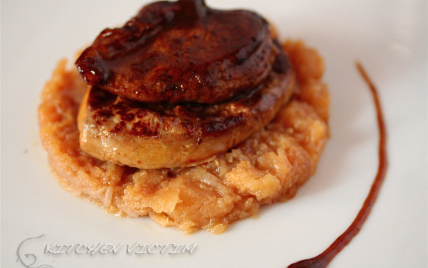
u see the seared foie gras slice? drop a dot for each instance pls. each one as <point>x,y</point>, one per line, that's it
<point>151,136</point>
<point>181,52</point>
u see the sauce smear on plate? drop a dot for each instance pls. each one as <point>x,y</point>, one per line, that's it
<point>325,258</point>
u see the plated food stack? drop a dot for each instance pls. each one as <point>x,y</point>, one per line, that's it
<point>191,115</point>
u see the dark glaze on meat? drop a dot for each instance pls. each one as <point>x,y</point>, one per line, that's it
<point>181,52</point>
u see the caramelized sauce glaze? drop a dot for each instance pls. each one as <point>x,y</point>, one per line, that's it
<point>325,258</point>
<point>182,52</point>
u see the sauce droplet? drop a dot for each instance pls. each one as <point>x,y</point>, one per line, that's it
<point>325,258</point>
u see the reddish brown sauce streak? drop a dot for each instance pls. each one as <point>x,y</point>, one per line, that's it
<point>325,258</point>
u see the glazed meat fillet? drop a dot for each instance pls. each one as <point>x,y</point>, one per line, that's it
<point>181,52</point>
<point>180,79</point>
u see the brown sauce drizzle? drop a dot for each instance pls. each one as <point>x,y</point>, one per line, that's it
<point>325,258</point>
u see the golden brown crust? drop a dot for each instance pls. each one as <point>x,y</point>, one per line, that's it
<point>128,132</point>
<point>267,167</point>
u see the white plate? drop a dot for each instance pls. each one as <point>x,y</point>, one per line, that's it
<point>388,37</point>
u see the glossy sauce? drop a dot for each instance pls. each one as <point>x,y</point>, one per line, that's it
<point>325,258</point>
<point>182,51</point>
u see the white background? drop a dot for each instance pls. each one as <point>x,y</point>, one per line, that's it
<point>388,36</point>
